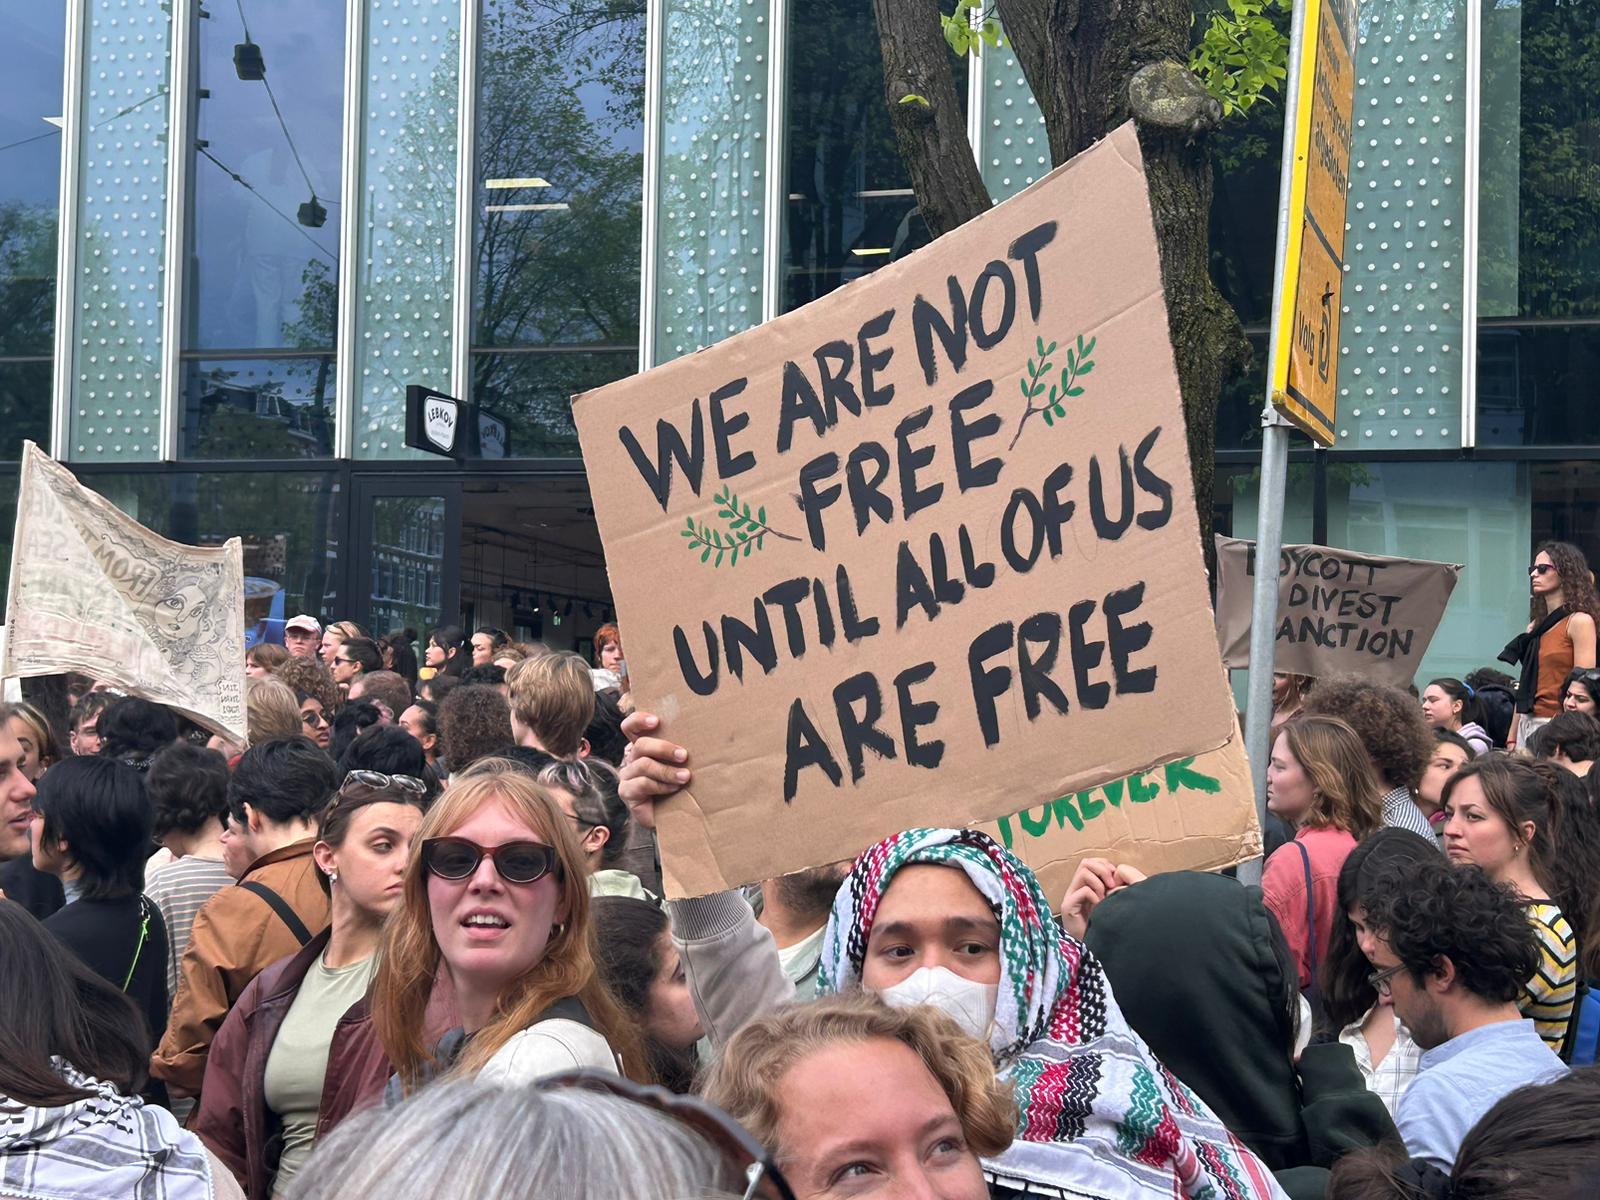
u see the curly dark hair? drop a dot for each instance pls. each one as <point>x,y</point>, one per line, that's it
<point>1564,851</point>
<point>1575,734</point>
<point>308,677</point>
<point>1577,583</point>
<point>1514,1152</point>
<point>1346,994</point>
<point>187,786</point>
<point>474,721</point>
<point>1428,910</point>
<point>1387,720</point>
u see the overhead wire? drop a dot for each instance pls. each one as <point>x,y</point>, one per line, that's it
<point>276,111</point>
<point>249,187</point>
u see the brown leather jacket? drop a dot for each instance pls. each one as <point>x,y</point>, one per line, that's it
<point>236,936</point>
<point>233,1118</point>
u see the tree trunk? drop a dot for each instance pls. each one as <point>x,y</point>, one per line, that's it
<point>931,132</point>
<point>1093,64</point>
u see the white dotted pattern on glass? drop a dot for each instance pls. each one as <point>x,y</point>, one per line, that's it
<point>1400,365</point>
<point>405,257</point>
<point>713,171</point>
<point>1015,147</point>
<point>115,411</point>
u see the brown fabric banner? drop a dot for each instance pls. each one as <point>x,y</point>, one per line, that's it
<point>93,590</point>
<point>923,551</point>
<point>1338,610</point>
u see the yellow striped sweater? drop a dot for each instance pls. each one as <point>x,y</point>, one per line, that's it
<point>1548,999</point>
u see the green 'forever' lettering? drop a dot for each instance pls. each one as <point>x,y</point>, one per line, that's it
<point>1083,807</point>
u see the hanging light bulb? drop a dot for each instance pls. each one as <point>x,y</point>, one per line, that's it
<point>312,214</point>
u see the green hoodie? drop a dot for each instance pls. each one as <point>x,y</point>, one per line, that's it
<point>1191,960</point>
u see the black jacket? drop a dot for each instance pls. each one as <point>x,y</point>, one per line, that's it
<point>37,891</point>
<point>105,935</point>
<point>1192,962</point>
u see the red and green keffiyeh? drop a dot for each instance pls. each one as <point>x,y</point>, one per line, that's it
<point>1098,1114</point>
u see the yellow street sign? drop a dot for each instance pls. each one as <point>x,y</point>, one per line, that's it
<point>1306,366</point>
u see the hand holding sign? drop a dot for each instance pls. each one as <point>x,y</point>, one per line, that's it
<point>938,521</point>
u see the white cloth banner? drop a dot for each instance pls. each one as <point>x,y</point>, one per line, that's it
<point>94,591</point>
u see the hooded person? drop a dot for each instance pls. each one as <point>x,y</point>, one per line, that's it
<point>1206,977</point>
<point>1098,1114</point>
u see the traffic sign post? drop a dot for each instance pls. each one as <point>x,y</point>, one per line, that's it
<point>1305,363</point>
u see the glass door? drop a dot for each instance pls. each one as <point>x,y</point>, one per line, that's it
<point>407,570</point>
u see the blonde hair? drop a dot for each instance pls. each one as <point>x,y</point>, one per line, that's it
<point>552,695</point>
<point>746,1081</point>
<point>1344,787</point>
<point>409,958</point>
<point>271,710</point>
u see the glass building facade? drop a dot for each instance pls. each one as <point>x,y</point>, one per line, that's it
<point>232,234</point>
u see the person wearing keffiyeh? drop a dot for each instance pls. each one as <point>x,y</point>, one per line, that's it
<point>1099,1115</point>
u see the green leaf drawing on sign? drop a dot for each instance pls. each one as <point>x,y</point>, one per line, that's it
<point>1033,385</point>
<point>746,531</point>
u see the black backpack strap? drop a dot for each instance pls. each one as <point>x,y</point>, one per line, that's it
<point>280,906</point>
<point>568,1008</point>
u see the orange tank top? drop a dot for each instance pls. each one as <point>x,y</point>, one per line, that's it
<point>1555,664</point>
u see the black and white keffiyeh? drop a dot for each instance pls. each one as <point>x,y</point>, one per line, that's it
<point>105,1145</point>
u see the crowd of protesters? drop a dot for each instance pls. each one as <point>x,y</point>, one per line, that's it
<point>410,940</point>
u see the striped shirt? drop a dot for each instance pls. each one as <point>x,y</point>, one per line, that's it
<point>1549,996</point>
<point>1400,811</point>
<point>180,890</point>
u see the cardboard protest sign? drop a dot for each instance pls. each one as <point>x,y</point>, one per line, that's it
<point>1338,610</point>
<point>1179,815</point>
<point>922,551</point>
<point>92,590</point>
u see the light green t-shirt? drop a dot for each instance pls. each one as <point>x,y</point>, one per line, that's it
<point>297,1065</point>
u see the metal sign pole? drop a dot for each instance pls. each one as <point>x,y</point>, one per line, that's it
<point>1274,471</point>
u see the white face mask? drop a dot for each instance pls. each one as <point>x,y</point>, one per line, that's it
<point>971,1004</point>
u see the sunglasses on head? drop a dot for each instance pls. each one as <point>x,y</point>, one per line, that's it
<point>748,1157</point>
<point>457,858</point>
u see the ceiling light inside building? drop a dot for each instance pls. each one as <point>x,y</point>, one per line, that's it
<point>869,251</point>
<point>526,207</point>
<point>519,182</point>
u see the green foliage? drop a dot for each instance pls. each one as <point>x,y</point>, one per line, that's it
<point>1053,409</point>
<point>966,37</point>
<point>1243,53</point>
<point>746,531</point>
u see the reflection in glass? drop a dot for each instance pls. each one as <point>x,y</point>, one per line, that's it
<point>24,406</point>
<point>407,568</point>
<point>532,392</point>
<point>850,206</point>
<point>30,163</point>
<point>264,212</point>
<point>559,178</point>
<point>260,408</point>
<point>1539,223</point>
<point>1539,385</point>
<point>287,520</point>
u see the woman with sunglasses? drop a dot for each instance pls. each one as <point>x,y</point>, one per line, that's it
<point>297,1053</point>
<point>1560,634</point>
<point>496,900</point>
